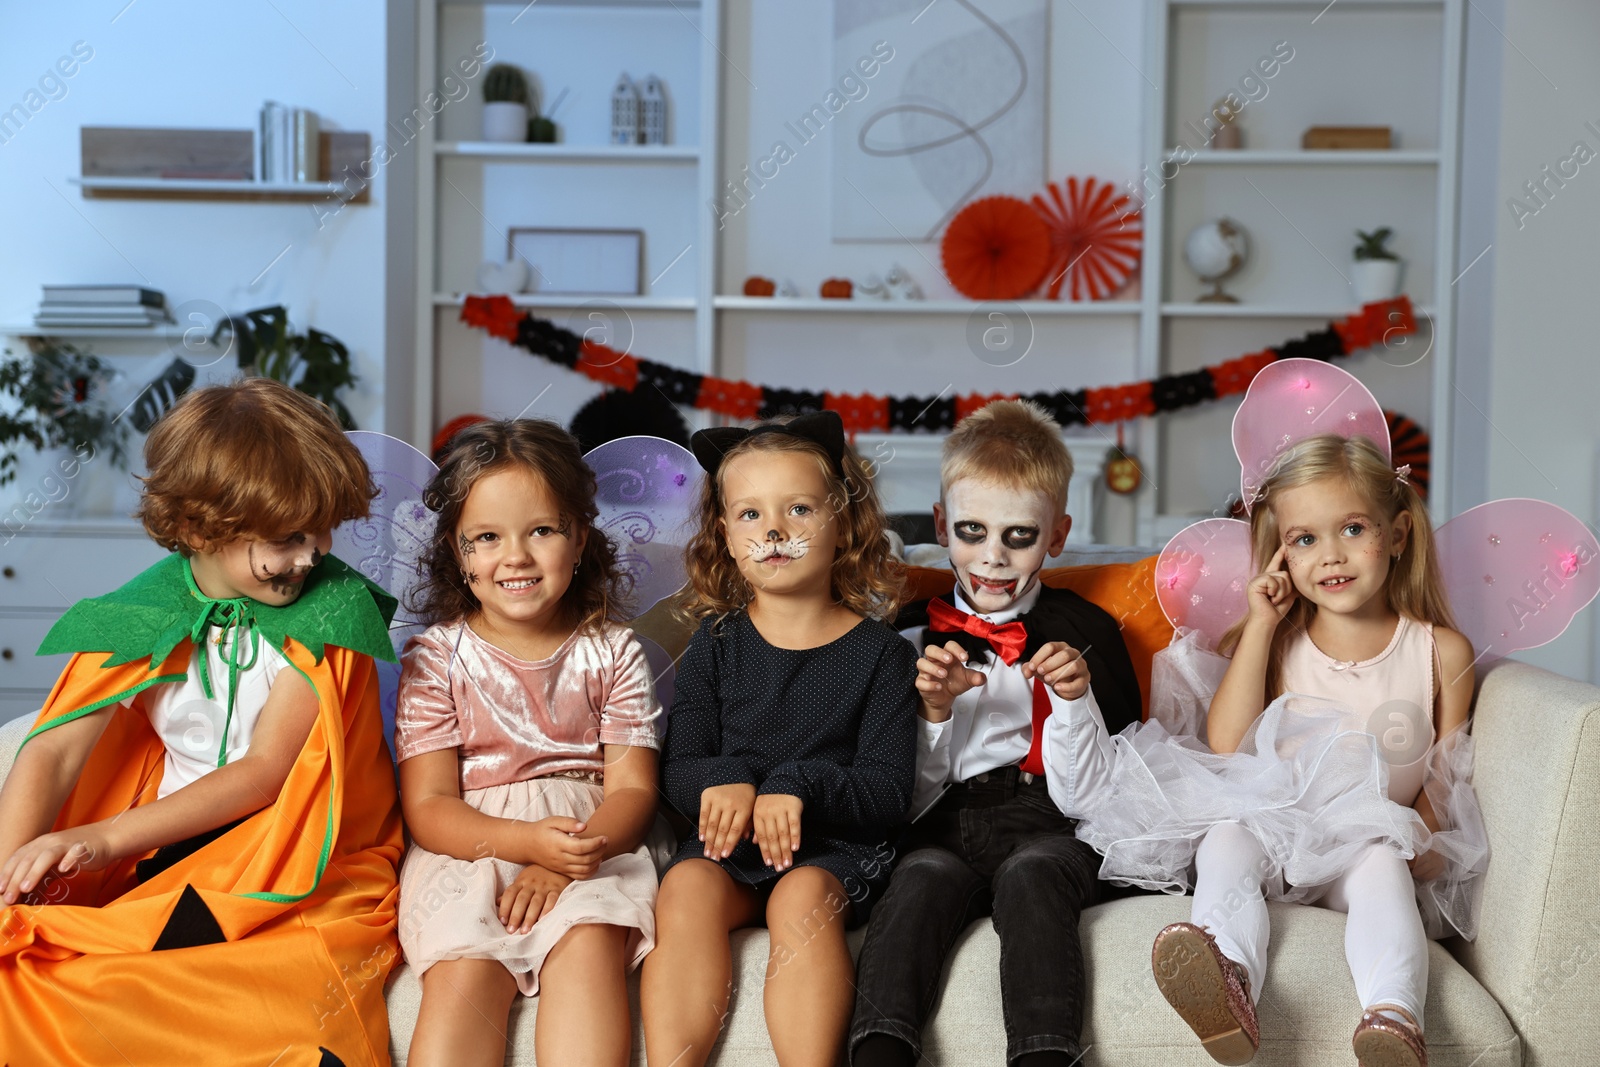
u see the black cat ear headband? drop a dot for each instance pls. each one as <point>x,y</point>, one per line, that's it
<point>824,428</point>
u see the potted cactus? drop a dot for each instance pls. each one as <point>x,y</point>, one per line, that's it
<point>1376,272</point>
<point>505,104</point>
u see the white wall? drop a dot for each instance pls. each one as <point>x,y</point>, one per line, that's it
<point>1541,426</point>
<point>195,64</point>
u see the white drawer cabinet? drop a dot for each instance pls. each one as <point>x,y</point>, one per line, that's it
<point>44,570</point>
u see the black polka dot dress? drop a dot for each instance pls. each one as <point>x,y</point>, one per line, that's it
<point>833,725</point>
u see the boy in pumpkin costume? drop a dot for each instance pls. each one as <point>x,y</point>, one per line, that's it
<point>1007,713</point>
<point>199,837</point>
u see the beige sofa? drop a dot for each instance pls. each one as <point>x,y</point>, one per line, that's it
<point>1526,992</point>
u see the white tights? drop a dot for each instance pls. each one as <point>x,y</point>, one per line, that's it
<point>1384,941</point>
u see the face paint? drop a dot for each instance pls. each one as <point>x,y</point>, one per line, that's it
<point>998,538</point>
<point>273,572</point>
<point>1335,544</point>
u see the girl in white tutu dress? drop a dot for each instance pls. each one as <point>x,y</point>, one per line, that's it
<point>1337,761</point>
<point>525,728</point>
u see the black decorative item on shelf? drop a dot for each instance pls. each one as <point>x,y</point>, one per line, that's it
<point>315,363</point>
<point>57,391</point>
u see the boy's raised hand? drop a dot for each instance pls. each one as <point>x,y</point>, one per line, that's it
<point>82,848</point>
<point>530,897</point>
<point>943,675</point>
<point>775,825</point>
<point>556,848</point>
<point>1271,593</point>
<point>725,812</point>
<point>1062,667</point>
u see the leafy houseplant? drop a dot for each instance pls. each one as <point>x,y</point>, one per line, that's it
<point>1376,273</point>
<point>315,363</point>
<point>505,104</point>
<point>55,403</point>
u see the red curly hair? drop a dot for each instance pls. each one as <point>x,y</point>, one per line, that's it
<point>249,458</point>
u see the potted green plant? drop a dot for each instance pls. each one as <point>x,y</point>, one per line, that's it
<point>1375,275</point>
<point>315,363</point>
<point>56,396</point>
<point>505,104</point>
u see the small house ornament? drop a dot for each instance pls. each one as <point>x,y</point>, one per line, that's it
<point>653,112</point>
<point>624,112</point>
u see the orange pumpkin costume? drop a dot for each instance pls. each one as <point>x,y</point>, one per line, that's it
<point>271,943</point>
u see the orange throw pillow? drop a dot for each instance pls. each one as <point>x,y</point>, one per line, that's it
<point>1126,590</point>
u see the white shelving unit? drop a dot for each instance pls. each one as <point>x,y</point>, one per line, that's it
<point>495,196</point>
<point>1360,62</point>
<point>1349,69</point>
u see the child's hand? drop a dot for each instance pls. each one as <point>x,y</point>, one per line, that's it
<point>1427,866</point>
<point>725,817</point>
<point>556,849</point>
<point>82,848</point>
<point>1062,667</point>
<point>1271,593</point>
<point>942,675</point>
<point>776,828</point>
<point>529,897</point>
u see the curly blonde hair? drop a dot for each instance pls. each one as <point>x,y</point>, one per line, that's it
<point>1414,587</point>
<point>867,579</point>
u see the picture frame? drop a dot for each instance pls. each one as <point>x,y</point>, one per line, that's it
<point>578,261</point>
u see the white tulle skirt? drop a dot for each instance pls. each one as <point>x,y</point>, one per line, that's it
<point>1308,782</point>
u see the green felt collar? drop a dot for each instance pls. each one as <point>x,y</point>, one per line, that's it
<point>163,606</point>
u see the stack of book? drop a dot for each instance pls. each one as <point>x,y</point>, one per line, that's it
<point>287,144</point>
<point>120,306</point>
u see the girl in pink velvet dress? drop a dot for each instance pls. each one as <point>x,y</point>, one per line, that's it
<point>526,734</point>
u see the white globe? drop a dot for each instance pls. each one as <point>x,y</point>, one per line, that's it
<point>1217,249</point>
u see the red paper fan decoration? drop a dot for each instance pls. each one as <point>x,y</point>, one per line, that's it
<point>997,248</point>
<point>1409,443</point>
<point>1094,239</point>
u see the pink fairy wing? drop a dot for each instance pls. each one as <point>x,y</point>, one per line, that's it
<point>1291,400</point>
<point>1201,577</point>
<point>1517,572</point>
<point>647,489</point>
<point>388,545</point>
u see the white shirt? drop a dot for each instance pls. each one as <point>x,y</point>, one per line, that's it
<point>190,726</point>
<point>991,726</point>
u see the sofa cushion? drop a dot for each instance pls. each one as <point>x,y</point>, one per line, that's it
<point>1308,1010</point>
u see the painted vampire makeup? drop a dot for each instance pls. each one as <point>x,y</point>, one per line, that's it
<point>999,538</point>
<point>776,519</point>
<point>273,572</point>
<point>1337,548</point>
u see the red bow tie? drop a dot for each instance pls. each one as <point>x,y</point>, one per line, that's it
<point>1007,639</point>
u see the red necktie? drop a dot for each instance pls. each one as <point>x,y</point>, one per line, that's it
<point>1007,640</point>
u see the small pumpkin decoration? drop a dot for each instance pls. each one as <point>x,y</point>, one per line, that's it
<point>755,285</point>
<point>837,289</point>
<point>1123,473</point>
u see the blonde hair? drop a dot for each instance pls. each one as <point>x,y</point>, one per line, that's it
<point>1012,442</point>
<point>867,579</point>
<point>1414,586</point>
<point>249,458</point>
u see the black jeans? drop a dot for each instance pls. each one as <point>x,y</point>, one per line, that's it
<point>996,847</point>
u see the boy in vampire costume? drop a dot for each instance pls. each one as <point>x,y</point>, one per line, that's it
<point>1012,677</point>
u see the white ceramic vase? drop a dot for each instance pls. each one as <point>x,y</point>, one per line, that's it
<point>505,121</point>
<point>1375,279</point>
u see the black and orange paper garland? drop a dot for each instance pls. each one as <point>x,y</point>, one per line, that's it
<point>867,413</point>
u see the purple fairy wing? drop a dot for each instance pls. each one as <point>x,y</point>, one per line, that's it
<point>1201,577</point>
<point>387,545</point>
<point>1517,572</point>
<point>646,490</point>
<point>1291,400</point>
